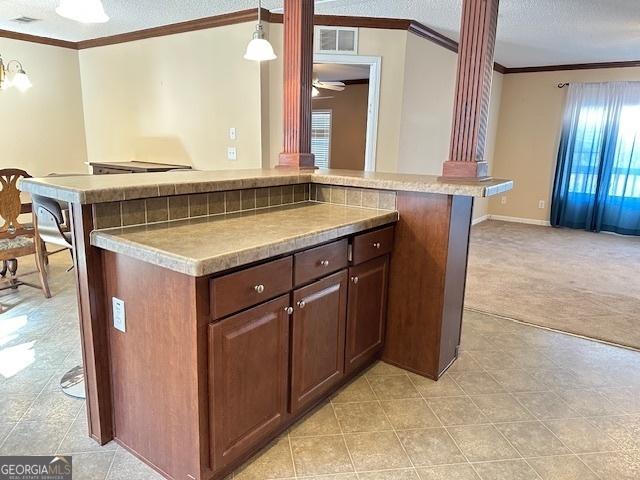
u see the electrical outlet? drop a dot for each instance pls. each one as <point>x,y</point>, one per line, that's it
<point>541,204</point>
<point>119,321</point>
<point>232,133</point>
<point>503,200</point>
<point>232,154</point>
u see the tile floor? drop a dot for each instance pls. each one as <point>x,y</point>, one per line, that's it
<point>521,403</point>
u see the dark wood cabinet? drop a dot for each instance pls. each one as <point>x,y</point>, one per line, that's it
<point>248,379</point>
<point>367,305</point>
<point>244,354</point>
<point>318,339</point>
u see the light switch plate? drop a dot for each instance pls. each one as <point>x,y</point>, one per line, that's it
<point>232,153</point>
<point>119,321</point>
<point>232,133</point>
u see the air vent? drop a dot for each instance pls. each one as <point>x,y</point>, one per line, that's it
<point>336,40</point>
<point>25,19</point>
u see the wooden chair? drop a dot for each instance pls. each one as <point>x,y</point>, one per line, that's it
<point>17,240</point>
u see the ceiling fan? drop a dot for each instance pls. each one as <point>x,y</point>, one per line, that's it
<point>335,86</point>
<point>317,85</point>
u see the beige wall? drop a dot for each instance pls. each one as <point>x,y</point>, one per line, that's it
<point>528,134</point>
<point>42,129</point>
<point>348,125</point>
<point>427,107</point>
<point>174,99</point>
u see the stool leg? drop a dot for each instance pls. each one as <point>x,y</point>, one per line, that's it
<point>3,270</point>
<point>12,266</point>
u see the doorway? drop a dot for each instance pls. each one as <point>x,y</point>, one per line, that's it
<point>345,111</point>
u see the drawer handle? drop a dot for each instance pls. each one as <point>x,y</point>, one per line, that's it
<point>259,288</point>
<point>355,279</point>
<point>302,304</point>
<point>288,310</point>
<point>376,245</point>
<point>324,263</point>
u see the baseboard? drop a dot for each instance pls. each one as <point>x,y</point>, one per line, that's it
<point>530,221</point>
<point>478,220</point>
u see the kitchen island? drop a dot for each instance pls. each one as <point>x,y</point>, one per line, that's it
<point>243,299</point>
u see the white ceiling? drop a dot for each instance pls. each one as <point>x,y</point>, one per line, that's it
<point>530,32</point>
<point>331,72</point>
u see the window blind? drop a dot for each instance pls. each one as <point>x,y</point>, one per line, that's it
<point>321,137</point>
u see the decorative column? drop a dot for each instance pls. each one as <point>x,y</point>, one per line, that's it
<point>298,71</point>
<point>473,90</point>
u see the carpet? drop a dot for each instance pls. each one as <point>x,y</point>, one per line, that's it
<point>569,280</point>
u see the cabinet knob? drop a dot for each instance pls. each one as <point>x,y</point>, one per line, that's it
<point>288,310</point>
<point>355,279</point>
<point>302,304</point>
<point>259,288</point>
<point>376,245</point>
<point>324,263</point>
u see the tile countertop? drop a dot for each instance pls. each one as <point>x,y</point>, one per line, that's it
<point>211,244</point>
<point>88,189</point>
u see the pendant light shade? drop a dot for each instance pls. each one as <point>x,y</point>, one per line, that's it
<point>259,48</point>
<point>84,11</point>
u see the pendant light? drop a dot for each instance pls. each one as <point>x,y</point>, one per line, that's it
<point>259,48</point>
<point>84,11</point>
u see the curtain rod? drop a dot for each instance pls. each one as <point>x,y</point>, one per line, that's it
<point>562,85</point>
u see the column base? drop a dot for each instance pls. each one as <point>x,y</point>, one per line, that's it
<point>297,160</point>
<point>471,170</point>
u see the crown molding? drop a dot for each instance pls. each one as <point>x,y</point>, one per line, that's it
<point>25,37</point>
<point>241,16</point>
<point>574,66</point>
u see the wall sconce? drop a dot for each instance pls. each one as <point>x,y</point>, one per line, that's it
<point>20,78</point>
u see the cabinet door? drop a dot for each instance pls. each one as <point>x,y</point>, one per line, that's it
<point>367,307</point>
<point>248,378</point>
<point>318,330</point>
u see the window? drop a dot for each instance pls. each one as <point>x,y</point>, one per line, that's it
<point>321,137</point>
<point>588,152</point>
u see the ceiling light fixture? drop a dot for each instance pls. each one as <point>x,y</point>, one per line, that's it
<point>84,11</point>
<point>259,48</point>
<point>20,78</point>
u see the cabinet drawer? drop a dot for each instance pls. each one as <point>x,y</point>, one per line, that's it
<point>236,291</point>
<point>320,261</point>
<point>372,244</point>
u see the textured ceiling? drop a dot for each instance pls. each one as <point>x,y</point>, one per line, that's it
<point>530,32</point>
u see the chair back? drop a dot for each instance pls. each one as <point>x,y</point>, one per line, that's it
<point>50,219</point>
<point>10,203</point>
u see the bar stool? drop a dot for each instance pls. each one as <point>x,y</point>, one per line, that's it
<point>49,225</point>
